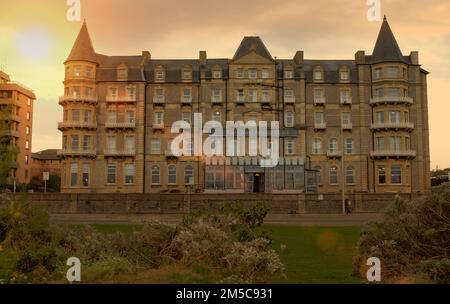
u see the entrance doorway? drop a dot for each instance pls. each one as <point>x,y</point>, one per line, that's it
<point>258,183</point>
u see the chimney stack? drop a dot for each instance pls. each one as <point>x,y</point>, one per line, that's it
<point>298,58</point>
<point>203,58</point>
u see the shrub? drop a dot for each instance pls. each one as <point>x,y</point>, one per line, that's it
<point>413,240</point>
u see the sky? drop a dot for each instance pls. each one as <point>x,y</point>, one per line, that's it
<point>36,38</point>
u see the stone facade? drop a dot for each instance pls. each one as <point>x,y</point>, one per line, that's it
<point>359,124</point>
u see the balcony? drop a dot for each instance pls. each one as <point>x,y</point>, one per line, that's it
<point>10,101</point>
<point>346,101</point>
<point>217,100</point>
<point>347,126</point>
<point>76,125</point>
<point>186,99</point>
<point>334,154</point>
<point>393,154</point>
<point>319,100</point>
<point>120,125</point>
<point>117,153</point>
<point>240,100</point>
<point>77,98</point>
<point>9,133</point>
<point>392,126</point>
<point>77,153</point>
<point>289,99</point>
<point>158,126</point>
<point>320,126</point>
<point>158,100</point>
<point>118,99</point>
<point>391,100</point>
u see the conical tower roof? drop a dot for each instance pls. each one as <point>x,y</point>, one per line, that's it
<point>386,48</point>
<point>82,48</point>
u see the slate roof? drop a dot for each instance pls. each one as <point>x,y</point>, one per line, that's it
<point>50,154</point>
<point>386,48</point>
<point>250,44</point>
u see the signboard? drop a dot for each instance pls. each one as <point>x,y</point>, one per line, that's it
<point>46,176</point>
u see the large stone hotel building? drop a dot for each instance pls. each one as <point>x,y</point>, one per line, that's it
<point>359,124</point>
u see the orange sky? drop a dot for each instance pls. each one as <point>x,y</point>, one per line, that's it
<point>36,38</point>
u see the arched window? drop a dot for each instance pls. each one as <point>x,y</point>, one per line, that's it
<point>156,180</point>
<point>350,175</point>
<point>172,175</point>
<point>318,170</point>
<point>333,145</point>
<point>333,175</point>
<point>188,175</point>
<point>317,146</point>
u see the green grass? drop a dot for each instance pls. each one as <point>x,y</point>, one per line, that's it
<point>316,255</point>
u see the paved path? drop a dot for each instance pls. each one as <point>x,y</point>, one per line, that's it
<point>327,220</point>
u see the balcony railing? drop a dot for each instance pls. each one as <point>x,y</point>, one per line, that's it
<point>217,99</point>
<point>347,100</point>
<point>121,99</point>
<point>186,99</point>
<point>319,100</point>
<point>392,125</point>
<point>76,125</point>
<point>9,133</point>
<point>320,126</point>
<point>120,125</point>
<point>77,152</point>
<point>347,126</point>
<point>78,98</point>
<point>158,126</point>
<point>158,99</point>
<point>333,154</point>
<point>393,154</point>
<point>117,153</point>
<point>391,99</point>
<point>289,99</point>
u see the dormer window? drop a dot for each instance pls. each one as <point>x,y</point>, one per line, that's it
<point>344,74</point>
<point>122,72</point>
<point>186,73</point>
<point>318,74</point>
<point>160,74</point>
<point>217,74</point>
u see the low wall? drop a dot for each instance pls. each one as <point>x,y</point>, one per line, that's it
<point>114,203</point>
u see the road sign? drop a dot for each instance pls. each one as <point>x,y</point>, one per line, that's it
<point>46,176</point>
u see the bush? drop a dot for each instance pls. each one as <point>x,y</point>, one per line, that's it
<point>413,240</point>
<point>230,244</point>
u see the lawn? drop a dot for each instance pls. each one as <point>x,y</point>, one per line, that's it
<point>313,255</point>
<point>310,255</point>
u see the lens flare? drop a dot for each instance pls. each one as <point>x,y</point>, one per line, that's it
<point>34,43</point>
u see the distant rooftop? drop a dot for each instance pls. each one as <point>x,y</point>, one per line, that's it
<point>49,154</point>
